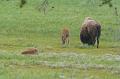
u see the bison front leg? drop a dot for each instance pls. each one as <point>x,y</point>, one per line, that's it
<point>67,41</point>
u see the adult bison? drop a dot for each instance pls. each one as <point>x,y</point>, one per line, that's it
<point>90,32</point>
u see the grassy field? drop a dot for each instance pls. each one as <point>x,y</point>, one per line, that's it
<point>21,28</point>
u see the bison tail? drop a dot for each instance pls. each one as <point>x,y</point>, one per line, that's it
<point>98,34</point>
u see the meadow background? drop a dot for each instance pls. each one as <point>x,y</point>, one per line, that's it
<point>21,28</point>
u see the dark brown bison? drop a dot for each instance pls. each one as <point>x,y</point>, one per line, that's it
<point>90,32</point>
<point>30,51</point>
<point>65,36</point>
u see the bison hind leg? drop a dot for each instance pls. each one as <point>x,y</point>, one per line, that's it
<point>97,42</point>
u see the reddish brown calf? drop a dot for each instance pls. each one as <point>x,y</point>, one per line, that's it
<point>30,51</point>
<point>65,36</point>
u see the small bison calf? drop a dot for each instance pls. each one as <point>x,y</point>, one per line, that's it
<point>30,51</point>
<point>65,36</point>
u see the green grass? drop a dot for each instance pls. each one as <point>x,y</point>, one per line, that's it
<point>28,27</point>
<point>54,65</point>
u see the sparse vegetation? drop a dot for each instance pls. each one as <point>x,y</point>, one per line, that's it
<point>22,3</point>
<point>44,6</point>
<point>108,2</point>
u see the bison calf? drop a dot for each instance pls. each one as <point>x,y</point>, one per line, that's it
<point>30,51</point>
<point>65,36</point>
<point>90,32</point>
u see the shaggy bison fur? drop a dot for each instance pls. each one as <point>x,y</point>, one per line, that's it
<point>65,36</point>
<point>30,51</point>
<point>90,32</point>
